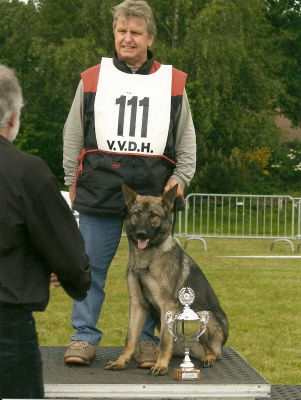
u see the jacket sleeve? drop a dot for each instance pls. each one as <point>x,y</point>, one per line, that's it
<point>57,239</point>
<point>73,136</point>
<point>185,144</point>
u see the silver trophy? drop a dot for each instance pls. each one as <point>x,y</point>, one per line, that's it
<point>187,328</point>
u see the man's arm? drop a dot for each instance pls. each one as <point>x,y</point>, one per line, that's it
<point>185,148</point>
<point>58,241</point>
<point>73,136</point>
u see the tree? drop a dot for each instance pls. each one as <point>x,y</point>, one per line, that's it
<point>285,19</point>
<point>48,59</point>
<point>232,50</point>
<point>228,53</point>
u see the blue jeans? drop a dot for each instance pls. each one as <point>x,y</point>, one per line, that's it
<point>21,375</point>
<point>102,236</point>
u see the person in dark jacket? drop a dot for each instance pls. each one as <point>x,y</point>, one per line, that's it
<point>130,121</point>
<point>38,237</point>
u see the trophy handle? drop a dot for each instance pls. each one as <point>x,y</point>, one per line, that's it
<point>205,319</point>
<point>169,320</point>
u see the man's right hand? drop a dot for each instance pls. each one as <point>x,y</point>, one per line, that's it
<point>54,280</point>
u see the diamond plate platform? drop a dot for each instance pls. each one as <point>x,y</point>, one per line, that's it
<point>286,392</point>
<point>231,378</point>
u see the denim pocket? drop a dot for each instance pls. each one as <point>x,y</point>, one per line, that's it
<point>9,349</point>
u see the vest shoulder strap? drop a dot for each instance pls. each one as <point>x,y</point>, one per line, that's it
<point>178,79</point>
<point>90,79</point>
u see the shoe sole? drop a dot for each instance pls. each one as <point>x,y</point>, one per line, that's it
<point>146,364</point>
<point>77,360</point>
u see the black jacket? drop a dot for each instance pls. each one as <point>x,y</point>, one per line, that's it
<point>38,234</point>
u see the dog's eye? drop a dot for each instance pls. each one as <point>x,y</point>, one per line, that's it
<point>153,215</point>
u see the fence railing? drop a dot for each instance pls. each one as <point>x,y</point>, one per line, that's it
<point>242,216</point>
<point>237,216</point>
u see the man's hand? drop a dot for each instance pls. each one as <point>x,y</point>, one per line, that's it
<point>71,196</point>
<point>171,183</point>
<point>54,280</point>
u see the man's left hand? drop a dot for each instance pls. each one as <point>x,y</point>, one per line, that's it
<point>171,183</point>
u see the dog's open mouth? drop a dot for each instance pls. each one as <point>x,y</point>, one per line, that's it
<point>142,244</point>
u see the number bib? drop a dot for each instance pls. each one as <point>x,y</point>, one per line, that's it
<point>132,111</point>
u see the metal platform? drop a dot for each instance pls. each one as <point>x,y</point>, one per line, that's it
<point>230,378</point>
<point>286,392</point>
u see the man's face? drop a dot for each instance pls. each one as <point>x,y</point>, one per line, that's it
<point>132,41</point>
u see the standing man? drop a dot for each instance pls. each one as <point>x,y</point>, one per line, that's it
<point>38,236</point>
<point>130,121</point>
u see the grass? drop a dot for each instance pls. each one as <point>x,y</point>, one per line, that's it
<point>261,297</point>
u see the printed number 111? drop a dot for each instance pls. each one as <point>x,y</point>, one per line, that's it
<point>133,103</point>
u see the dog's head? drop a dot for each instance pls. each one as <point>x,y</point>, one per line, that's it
<point>148,221</point>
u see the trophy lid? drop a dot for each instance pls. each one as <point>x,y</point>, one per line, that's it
<point>187,315</point>
<point>186,297</point>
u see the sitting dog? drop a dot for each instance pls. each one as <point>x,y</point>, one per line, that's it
<point>157,270</point>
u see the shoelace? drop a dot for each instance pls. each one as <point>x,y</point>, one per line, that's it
<point>148,346</point>
<point>79,343</point>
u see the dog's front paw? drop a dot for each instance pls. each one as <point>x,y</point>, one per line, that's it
<point>208,361</point>
<point>158,370</point>
<point>114,365</point>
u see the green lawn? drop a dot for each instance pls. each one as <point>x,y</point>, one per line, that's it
<point>261,297</point>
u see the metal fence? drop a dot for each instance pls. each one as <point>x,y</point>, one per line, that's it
<point>242,217</point>
<point>237,216</point>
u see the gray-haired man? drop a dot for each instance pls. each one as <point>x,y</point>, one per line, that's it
<point>130,121</point>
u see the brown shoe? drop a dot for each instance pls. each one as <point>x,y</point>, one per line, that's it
<point>146,354</point>
<point>80,352</point>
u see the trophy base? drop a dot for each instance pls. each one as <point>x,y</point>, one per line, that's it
<point>193,375</point>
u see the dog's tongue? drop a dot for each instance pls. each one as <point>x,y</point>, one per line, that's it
<point>142,243</point>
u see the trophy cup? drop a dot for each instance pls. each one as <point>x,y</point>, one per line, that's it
<point>187,328</point>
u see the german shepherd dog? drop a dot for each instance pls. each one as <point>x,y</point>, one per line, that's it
<point>157,270</point>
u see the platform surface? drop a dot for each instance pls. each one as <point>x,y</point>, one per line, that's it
<point>285,392</point>
<point>231,377</point>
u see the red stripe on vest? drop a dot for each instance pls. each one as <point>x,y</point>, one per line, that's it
<point>90,79</point>
<point>178,79</point>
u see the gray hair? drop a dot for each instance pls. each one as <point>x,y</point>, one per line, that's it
<point>10,96</point>
<point>136,9</point>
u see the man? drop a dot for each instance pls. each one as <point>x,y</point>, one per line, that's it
<point>130,121</point>
<point>38,236</point>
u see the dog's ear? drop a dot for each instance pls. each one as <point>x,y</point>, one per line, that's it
<point>168,198</point>
<point>129,195</point>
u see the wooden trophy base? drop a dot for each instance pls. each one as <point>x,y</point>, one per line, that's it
<point>193,375</point>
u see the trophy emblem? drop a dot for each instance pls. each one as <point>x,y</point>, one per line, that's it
<point>187,328</point>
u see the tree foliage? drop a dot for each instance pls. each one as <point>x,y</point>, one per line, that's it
<point>285,19</point>
<point>242,59</point>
